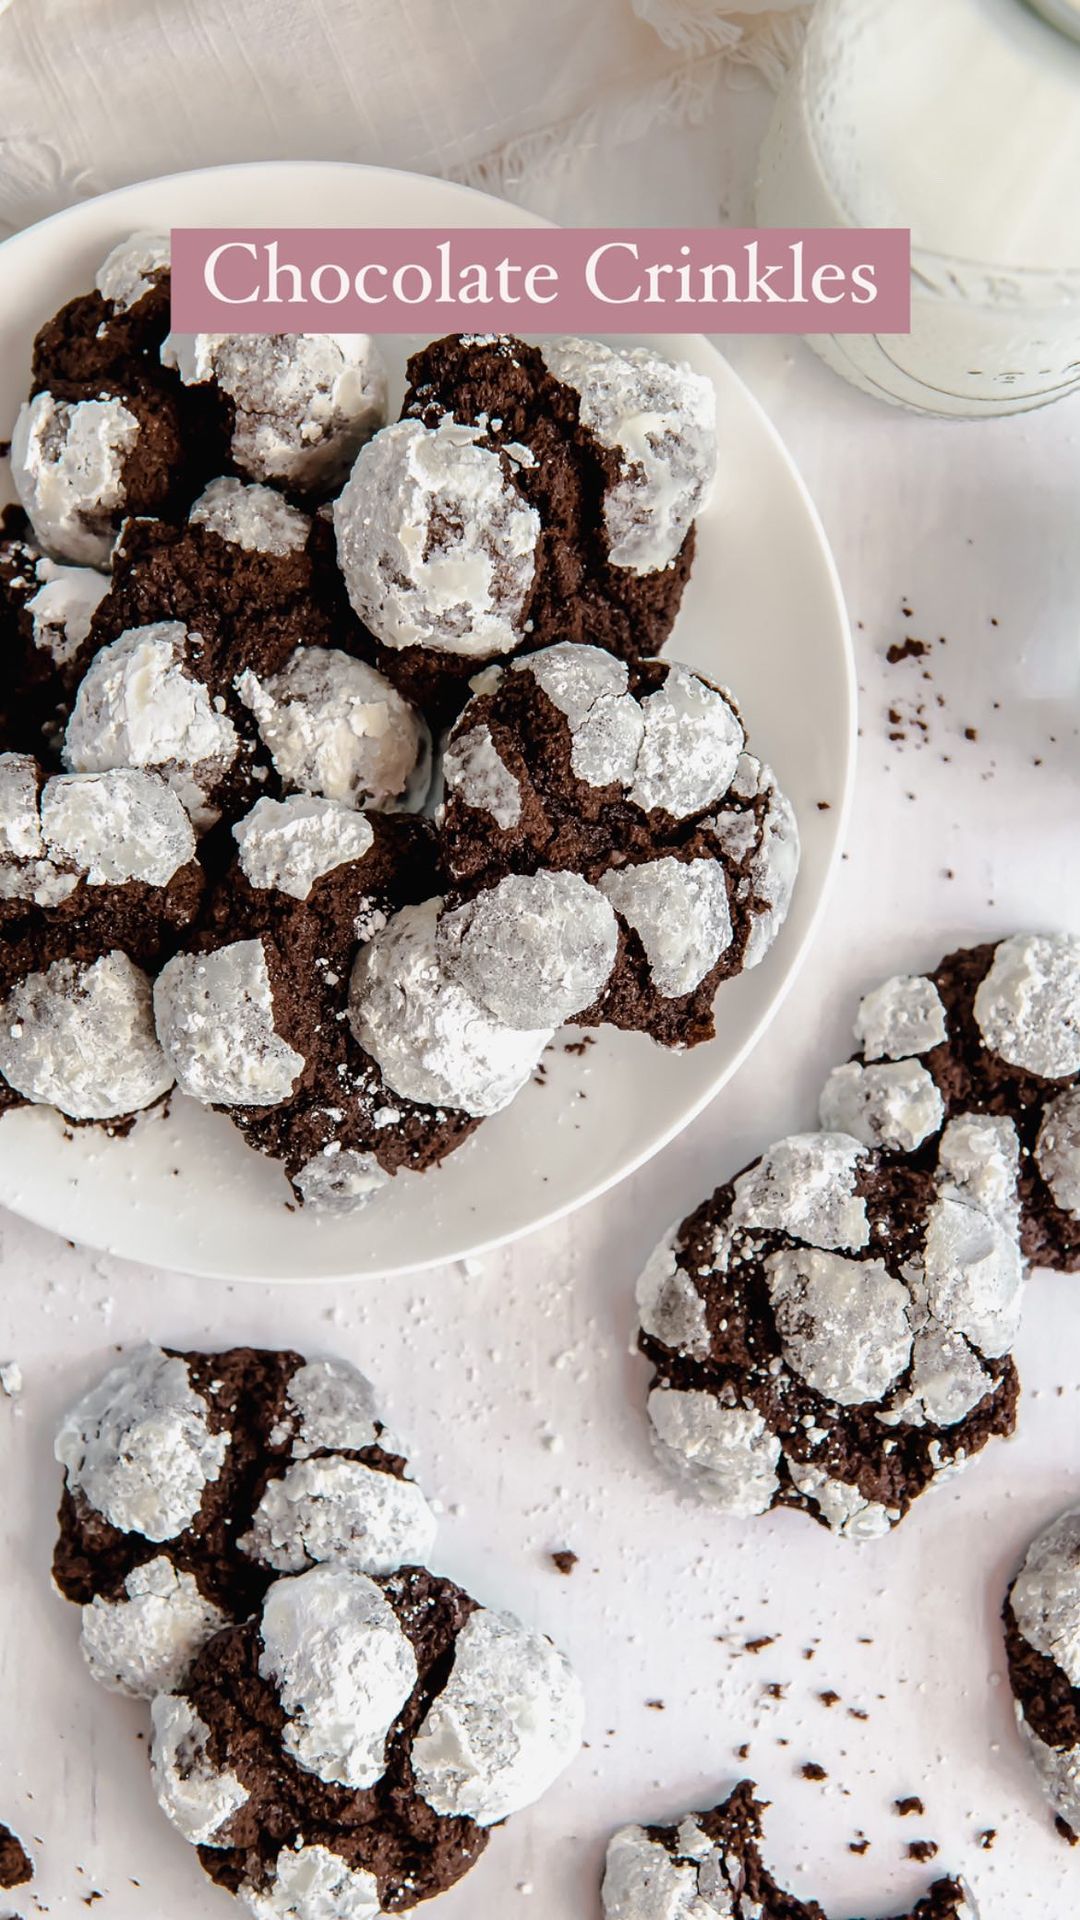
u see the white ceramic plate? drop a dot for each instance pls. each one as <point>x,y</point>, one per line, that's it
<point>763,614</point>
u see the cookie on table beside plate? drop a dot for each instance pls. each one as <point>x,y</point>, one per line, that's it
<point>192,1480</point>
<point>527,494</point>
<point>1042,1644</point>
<point>253,1014</point>
<point>348,1748</point>
<point>994,1029</point>
<point>710,1864</point>
<point>832,1329</point>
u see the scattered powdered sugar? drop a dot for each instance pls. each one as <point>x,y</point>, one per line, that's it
<point>251,516</point>
<point>1057,1150</point>
<point>893,1104</point>
<point>334,1406</point>
<point>606,724</point>
<point>311,1883</point>
<point>199,1798</point>
<point>215,1020</point>
<point>343,1669</point>
<point>533,949</point>
<point>132,268</point>
<point>63,607</point>
<point>67,466</point>
<point>289,844</point>
<point>1028,1006</point>
<point>334,726</point>
<point>902,1017</point>
<point>805,1185</point>
<point>344,1511</point>
<point>691,747</point>
<point>659,416</point>
<point>478,777</point>
<point>118,826</point>
<point>725,1454</point>
<point>433,1041</point>
<point>670,1308</point>
<point>80,1037</point>
<point>140,705</point>
<point>506,1724</point>
<point>1045,1596</point>
<point>304,402</point>
<point>679,911</point>
<point>844,1324</point>
<point>340,1182</point>
<point>437,546</point>
<point>138,1447</point>
<point>145,1642</point>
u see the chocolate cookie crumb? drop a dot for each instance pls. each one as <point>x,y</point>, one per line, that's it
<point>565,1560</point>
<point>987,1838</point>
<point>16,1866</point>
<point>830,1698</point>
<point>758,1646</point>
<point>909,649</point>
<point>810,1770</point>
<point>910,1804</point>
<point>922,1850</point>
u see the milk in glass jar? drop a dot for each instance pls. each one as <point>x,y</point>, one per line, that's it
<point>961,120</point>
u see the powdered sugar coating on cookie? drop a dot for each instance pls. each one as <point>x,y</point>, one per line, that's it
<point>341,1181</point>
<point>342,1668</point>
<point>144,1642</point>
<point>333,1405</point>
<point>139,1448</point>
<point>844,1324</point>
<point>476,775</point>
<point>433,1040</point>
<point>116,827</point>
<point>63,607</point>
<point>1045,1596</point>
<point>333,1509</point>
<point>1057,1150</point>
<point>289,844</point>
<point>67,466</point>
<point>334,726</point>
<point>142,705</point>
<point>591,689</point>
<point>805,1185</point>
<point>132,268</point>
<point>80,1036</point>
<point>891,1103</point>
<point>251,516</point>
<point>659,416</point>
<point>304,403</point>
<point>670,1308</point>
<point>691,746</point>
<point>1028,1005</point>
<point>901,1018</point>
<point>27,869</point>
<point>198,1798</point>
<point>679,911</point>
<point>437,546</point>
<point>724,1453</point>
<point>533,949</point>
<point>215,1020</point>
<point>505,1725</point>
<point>310,1882</point>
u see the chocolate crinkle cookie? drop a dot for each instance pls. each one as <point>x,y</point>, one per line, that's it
<point>528,494</point>
<point>16,1866</point>
<point>832,1330</point>
<point>192,1480</point>
<point>590,801</point>
<point>45,613</point>
<point>347,1749</point>
<point>994,1029</point>
<point>115,331</point>
<point>709,1867</point>
<point>1042,1643</point>
<point>253,1012</point>
<point>225,655</point>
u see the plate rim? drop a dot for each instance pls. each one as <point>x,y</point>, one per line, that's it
<point>205,1268</point>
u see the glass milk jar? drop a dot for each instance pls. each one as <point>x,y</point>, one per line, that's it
<point>961,120</point>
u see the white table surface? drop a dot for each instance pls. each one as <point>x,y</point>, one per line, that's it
<point>514,1381</point>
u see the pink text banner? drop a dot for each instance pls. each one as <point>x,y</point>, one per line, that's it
<point>541,280</point>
